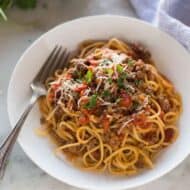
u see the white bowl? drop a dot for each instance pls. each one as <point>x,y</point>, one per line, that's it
<point>171,59</point>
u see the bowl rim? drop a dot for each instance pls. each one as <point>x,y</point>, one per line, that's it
<point>71,183</point>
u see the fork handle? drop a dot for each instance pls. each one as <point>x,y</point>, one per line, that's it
<point>7,145</point>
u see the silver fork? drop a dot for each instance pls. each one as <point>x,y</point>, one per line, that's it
<point>57,59</point>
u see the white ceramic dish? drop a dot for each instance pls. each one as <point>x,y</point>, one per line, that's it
<point>171,59</point>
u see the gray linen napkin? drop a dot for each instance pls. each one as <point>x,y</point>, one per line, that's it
<point>171,16</point>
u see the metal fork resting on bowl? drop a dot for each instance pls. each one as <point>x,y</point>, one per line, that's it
<point>57,59</point>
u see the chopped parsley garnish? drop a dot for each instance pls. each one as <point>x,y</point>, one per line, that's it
<point>106,93</point>
<point>120,80</point>
<point>77,74</point>
<point>109,71</point>
<point>119,68</point>
<point>137,82</point>
<point>135,105</point>
<point>110,80</point>
<point>92,102</point>
<point>130,62</point>
<point>88,76</point>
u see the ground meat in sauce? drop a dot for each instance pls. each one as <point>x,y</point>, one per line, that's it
<point>58,114</point>
<point>149,91</point>
<point>42,120</point>
<point>150,137</point>
<point>139,164</point>
<point>93,143</point>
<point>140,75</point>
<point>112,139</point>
<point>140,51</point>
<point>169,134</point>
<point>99,110</point>
<point>81,68</point>
<point>58,95</point>
<point>151,76</point>
<point>164,103</point>
<point>73,151</point>
<point>139,65</point>
<point>114,142</point>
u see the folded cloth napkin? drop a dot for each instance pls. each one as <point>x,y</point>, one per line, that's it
<point>171,16</point>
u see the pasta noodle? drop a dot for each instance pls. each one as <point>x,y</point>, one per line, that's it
<point>110,110</point>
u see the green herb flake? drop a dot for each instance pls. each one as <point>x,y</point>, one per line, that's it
<point>119,68</point>
<point>110,72</point>
<point>137,82</point>
<point>77,74</point>
<point>120,82</point>
<point>88,76</point>
<point>130,62</point>
<point>106,93</point>
<point>110,80</point>
<point>135,105</point>
<point>92,102</point>
<point>123,75</point>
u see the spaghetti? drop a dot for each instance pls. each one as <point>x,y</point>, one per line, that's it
<point>110,109</point>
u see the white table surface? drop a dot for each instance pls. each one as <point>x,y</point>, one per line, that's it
<point>16,35</point>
